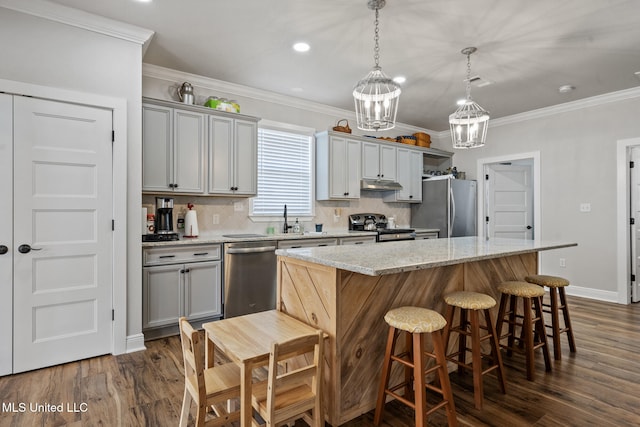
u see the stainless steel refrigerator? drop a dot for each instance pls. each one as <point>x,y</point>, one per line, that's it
<point>447,204</point>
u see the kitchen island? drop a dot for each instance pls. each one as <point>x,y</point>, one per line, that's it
<point>347,290</point>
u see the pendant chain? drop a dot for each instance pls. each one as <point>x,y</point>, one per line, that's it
<point>468,76</point>
<point>376,36</point>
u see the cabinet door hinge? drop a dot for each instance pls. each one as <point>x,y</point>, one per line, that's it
<point>633,277</point>
<point>486,219</point>
<point>113,225</point>
<point>486,177</point>
<point>632,165</point>
<point>632,221</point>
<point>113,136</point>
<point>113,315</point>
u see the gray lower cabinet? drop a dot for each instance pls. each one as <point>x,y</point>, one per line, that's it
<point>184,281</point>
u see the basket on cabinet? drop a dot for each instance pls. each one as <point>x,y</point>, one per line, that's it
<point>340,128</point>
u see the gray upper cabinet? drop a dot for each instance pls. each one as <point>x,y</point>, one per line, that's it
<point>196,150</point>
<point>173,144</point>
<point>378,161</point>
<point>338,165</point>
<point>233,156</point>
<point>409,176</point>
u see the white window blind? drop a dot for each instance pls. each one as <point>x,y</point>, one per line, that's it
<point>284,174</point>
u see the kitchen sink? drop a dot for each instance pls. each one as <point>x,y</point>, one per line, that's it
<point>243,235</point>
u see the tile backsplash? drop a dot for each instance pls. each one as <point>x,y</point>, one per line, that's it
<point>233,213</point>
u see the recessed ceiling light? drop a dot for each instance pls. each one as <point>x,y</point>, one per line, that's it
<point>301,47</point>
<point>566,88</point>
<point>144,1</point>
<point>399,79</point>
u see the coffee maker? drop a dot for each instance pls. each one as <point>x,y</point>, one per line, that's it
<point>164,215</point>
<point>163,222</point>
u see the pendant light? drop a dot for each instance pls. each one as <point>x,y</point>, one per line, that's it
<point>376,96</point>
<point>470,122</point>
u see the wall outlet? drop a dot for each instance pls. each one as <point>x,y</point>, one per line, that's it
<point>585,207</point>
<point>216,219</point>
<point>563,263</point>
<point>238,207</point>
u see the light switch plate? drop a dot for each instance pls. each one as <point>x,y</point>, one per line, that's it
<point>585,207</point>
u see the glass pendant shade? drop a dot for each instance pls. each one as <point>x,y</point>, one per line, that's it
<point>469,125</point>
<point>376,98</point>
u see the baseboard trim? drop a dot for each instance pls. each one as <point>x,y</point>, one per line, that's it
<point>135,343</point>
<point>597,294</point>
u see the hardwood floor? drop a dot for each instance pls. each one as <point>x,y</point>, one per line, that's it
<point>598,385</point>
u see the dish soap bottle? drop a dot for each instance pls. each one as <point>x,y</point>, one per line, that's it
<point>296,227</point>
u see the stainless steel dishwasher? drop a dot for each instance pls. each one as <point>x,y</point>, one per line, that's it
<point>249,277</point>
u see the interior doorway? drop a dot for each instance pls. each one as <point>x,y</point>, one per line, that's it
<point>509,201</point>
<point>509,196</point>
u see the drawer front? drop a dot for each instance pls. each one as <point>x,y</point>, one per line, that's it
<point>357,240</point>
<point>306,243</point>
<point>181,254</point>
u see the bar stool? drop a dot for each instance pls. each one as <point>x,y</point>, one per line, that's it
<point>416,322</point>
<point>556,286</point>
<point>469,304</point>
<point>530,324</point>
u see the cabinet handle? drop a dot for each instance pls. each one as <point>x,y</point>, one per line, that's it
<point>201,254</point>
<point>358,243</point>
<point>175,185</point>
<point>411,197</point>
<point>186,270</point>
<point>166,256</point>
<point>295,247</point>
<point>3,249</point>
<point>324,244</point>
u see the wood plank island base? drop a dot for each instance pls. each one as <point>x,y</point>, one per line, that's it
<point>346,291</point>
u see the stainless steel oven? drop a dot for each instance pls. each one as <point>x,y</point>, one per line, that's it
<point>377,223</point>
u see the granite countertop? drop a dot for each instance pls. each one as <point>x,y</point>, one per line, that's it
<point>255,237</point>
<point>397,257</point>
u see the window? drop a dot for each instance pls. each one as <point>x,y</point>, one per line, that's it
<point>285,171</point>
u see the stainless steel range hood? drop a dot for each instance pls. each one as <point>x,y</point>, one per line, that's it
<point>377,185</point>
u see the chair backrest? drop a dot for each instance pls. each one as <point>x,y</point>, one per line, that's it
<point>193,354</point>
<point>305,371</point>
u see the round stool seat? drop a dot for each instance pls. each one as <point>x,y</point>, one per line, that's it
<point>521,289</point>
<point>549,281</point>
<point>415,319</point>
<point>470,300</point>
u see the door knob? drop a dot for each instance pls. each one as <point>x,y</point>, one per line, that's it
<point>3,249</point>
<point>25,249</point>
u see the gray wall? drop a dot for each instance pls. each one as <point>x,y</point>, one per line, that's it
<point>47,53</point>
<point>578,165</point>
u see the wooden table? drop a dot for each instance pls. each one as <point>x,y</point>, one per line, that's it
<point>247,340</point>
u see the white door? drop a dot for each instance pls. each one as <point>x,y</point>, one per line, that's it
<point>635,228</point>
<point>6,231</point>
<point>63,211</point>
<point>509,201</point>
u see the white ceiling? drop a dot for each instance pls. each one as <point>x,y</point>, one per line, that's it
<point>528,49</point>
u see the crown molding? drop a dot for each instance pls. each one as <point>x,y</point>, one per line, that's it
<point>173,76</point>
<point>553,110</point>
<point>80,19</point>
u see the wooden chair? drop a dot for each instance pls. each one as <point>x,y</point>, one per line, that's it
<point>416,323</point>
<point>556,287</point>
<point>471,305</point>
<point>290,395</point>
<point>531,321</point>
<point>209,388</point>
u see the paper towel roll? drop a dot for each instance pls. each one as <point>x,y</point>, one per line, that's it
<point>191,224</point>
